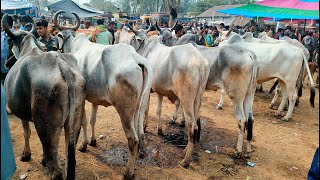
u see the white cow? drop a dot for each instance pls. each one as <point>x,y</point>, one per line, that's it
<point>116,75</point>
<point>180,72</point>
<point>233,68</point>
<point>282,61</point>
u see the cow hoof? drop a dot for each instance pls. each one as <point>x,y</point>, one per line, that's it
<point>172,121</point>
<point>277,114</point>
<point>238,155</point>
<point>25,157</point>
<point>127,176</point>
<point>83,148</point>
<point>93,143</point>
<point>285,119</point>
<point>57,176</point>
<point>182,124</point>
<point>297,103</point>
<point>160,132</point>
<point>142,154</point>
<point>218,107</point>
<point>184,164</point>
<point>247,155</point>
<point>44,162</point>
<point>285,108</point>
<point>271,106</point>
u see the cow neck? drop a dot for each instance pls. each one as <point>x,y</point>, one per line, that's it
<point>147,46</point>
<point>29,46</point>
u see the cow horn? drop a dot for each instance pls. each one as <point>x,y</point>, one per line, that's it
<point>135,32</point>
<point>55,21</point>
<point>149,27</point>
<point>6,27</point>
<point>34,26</point>
<point>158,27</point>
<point>174,26</point>
<point>230,30</point>
<point>78,22</point>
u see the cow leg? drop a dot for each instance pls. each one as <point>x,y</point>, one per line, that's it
<point>159,108</point>
<point>284,98</point>
<point>127,117</point>
<point>93,119</point>
<point>49,134</point>
<point>276,95</point>
<point>83,147</point>
<point>223,93</point>
<point>183,120</point>
<point>248,103</point>
<point>292,100</point>
<point>26,154</point>
<point>191,125</point>
<point>175,115</point>
<point>240,116</point>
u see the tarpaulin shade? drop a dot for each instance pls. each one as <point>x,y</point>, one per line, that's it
<point>294,4</point>
<point>258,10</point>
<point>71,7</point>
<point>11,5</point>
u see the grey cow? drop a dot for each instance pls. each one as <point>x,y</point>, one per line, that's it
<point>47,89</point>
<point>232,68</point>
<point>116,75</point>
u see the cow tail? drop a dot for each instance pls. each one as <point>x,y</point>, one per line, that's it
<point>251,90</point>
<point>274,86</point>
<point>204,74</point>
<point>147,75</point>
<point>68,76</point>
<point>312,89</point>
<point>300,78</point>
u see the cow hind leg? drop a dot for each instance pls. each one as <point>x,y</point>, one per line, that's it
<point>127,117</point>
<point>223,93</point>
<point>175,115</point>
<point>93,119</point>
<point>276,95</point>
<point>284,98</point>
<point>291,90</point>
<point>26,154</point>
<point>83,147</point>
<point>49,134</point>
<point>248,102</point>
<point>192,132</point>
<point>240,116</point>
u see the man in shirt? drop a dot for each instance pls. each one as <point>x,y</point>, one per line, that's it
<point>178,31</point>
<point>5,49</point>
<point>51,42</point>
<point>111,29</point>
<point>100,35</point>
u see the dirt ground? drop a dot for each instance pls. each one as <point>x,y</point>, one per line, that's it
<point>282,150</point>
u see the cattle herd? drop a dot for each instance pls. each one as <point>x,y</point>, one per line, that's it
<point>50,88</point>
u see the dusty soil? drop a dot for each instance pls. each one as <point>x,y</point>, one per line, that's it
<point>282,150</point>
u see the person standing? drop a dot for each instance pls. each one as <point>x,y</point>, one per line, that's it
<point>51,42</point>
<point>111,29</point>
<point>310,44</point>
<point>4,55</point>
<point>100,35</point>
